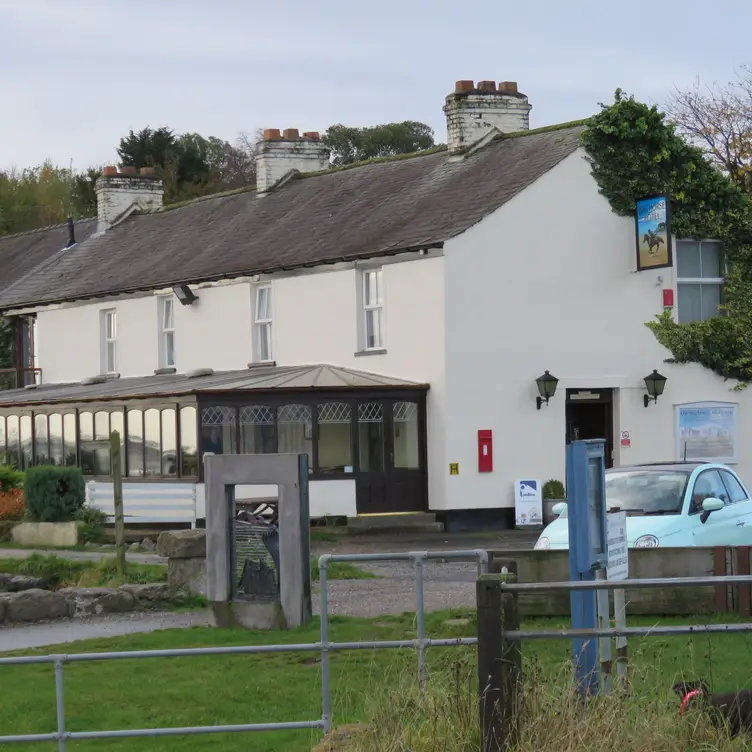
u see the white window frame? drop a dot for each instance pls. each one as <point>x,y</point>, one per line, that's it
<point>109,341</point>
<point>373,308</point>
<point>166,332</point>
<point>714,281</point>
<point>263,325</point>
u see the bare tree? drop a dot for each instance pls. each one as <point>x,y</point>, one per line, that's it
<point>718,118</point>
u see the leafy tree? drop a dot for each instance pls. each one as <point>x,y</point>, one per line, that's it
<point>147,148</point>
<point>718,119</point>
<point>349,144</point>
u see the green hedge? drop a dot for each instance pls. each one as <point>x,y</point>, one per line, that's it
<point>54,494</point>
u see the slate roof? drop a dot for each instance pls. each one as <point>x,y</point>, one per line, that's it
<point>22,252</point>
<point>371,210</point>
<point>258,378</point>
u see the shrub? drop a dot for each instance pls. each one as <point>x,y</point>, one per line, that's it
<point>54,494</point>
<point>92,529</point>
<point>12,504</point>
<point>554,489</point>
<point>10,478</point>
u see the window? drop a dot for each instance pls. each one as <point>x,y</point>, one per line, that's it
<point>169,443</point>
<point>152,444</point>
<point>27,448</point>
<point>371,437</point>
<point>700,272</point>
<point>405,427</point>
<point>335,438</point>
<point>109,342</point>
<point>13,456</point>
<point>735,491</point>
<point>219,430</point>
<point>135,430</point>
<point>263,324</point>
<point>41,441</point>
<point>167,331</point>
<point>188,448</point>
<point>56,439</point>
<point>373,309</point>
<point>69,440</point>
<point>707,486</point>
<point>294,430</point>
<point>257,435</point>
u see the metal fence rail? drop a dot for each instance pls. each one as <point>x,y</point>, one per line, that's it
<point>324,646</point>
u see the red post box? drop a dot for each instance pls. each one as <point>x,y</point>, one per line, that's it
<point>485,451</point>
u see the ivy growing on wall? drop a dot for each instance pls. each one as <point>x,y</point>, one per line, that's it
<point>634,152</point>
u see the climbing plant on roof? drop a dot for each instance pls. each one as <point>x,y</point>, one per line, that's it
<point>634,152</point>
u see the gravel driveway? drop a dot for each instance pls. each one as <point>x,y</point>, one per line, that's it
<point>446,585</point>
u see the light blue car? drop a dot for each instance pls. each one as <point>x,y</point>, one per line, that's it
<point>671,504</point>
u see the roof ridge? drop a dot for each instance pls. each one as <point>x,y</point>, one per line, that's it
<point>45,229</point>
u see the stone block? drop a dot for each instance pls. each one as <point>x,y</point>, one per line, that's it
<point>187,576</point>
<point>15,583</point>
<point>149,594</point>
<point>34,605</point>
<point>95,601</point>
<point>182,544</point>
<point>46,534</point>
<point>3,608</point>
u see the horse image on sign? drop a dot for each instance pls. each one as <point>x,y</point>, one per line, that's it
<point>528,502</point>
<point>617,566</point>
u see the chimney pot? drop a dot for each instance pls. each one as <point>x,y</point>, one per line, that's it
<point>290,134</point>
<point>110,170</point>
<point>272,134</point>
<point>474,112</point>
<point>312,135</point>
<point>129,170</point>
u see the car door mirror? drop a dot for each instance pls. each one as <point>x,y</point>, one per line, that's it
<point>712,504</point>
<point>559,508</point>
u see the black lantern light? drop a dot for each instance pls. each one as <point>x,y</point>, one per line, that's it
<point>185,295</point>
<point>655,384</point>
<point>546,387</point>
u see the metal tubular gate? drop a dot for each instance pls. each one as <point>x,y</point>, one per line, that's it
<point>551,634</point>
<point>62,736</point>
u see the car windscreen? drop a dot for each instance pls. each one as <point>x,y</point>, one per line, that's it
<point>645,492</point>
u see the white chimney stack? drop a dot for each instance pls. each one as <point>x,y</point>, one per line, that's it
<point>473,112</point>
<point>280,153</point>
<point>117,192</point>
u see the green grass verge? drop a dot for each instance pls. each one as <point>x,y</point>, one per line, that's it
<point>365,685</point>
<point>61,572</point>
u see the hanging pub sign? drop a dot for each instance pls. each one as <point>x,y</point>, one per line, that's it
<point>653,228</point>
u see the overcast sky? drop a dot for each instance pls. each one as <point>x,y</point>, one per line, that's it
<point>77,74</point>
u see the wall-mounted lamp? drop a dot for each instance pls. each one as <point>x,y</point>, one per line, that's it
<point>185,295</point>
<point>546,387</point>
<point>655,384</point>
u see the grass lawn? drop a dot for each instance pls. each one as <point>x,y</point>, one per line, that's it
<point>287,687</point>
<point>62,572</point>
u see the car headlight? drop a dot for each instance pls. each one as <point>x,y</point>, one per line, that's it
<point>542,544</point>
<point>646,541</point>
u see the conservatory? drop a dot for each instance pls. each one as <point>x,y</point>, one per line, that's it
<point>365,435</point>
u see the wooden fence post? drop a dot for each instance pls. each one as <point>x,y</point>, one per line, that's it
<point>117,491</point>
<point>488,595</point>
<point>499,659</point>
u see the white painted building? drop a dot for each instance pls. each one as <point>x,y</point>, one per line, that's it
<point>434,289</point>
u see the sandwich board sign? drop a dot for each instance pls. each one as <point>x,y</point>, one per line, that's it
<point>617,567</point>
<point>528,502</point>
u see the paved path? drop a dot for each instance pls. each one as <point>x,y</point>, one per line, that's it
<point>446,585</point>
<point>31,636</point>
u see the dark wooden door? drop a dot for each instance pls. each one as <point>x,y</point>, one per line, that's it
<point>390,477</point>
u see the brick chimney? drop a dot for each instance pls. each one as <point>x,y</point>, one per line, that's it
<point>473,111</point>
<point>119,191</point>
<point>279,153</point>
